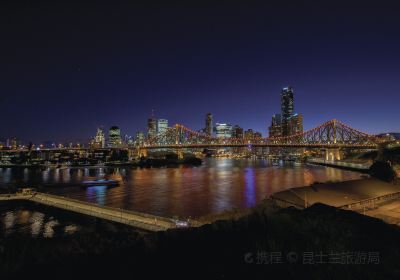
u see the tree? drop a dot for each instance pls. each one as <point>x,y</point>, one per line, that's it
<point>171,156</point>
<point>382,170</point>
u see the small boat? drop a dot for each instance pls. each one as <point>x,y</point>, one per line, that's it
<point>100,182</point>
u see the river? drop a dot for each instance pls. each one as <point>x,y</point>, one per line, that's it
<point>217,185</point>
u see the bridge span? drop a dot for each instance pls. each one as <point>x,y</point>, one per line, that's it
<point>135,219</point>
<point>330,135</point>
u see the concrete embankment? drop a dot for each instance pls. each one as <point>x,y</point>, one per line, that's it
<point>132,218</point>
<point>355,195</point>
<point>358,167</point>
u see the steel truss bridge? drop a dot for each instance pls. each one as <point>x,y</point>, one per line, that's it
<point>332,134</point>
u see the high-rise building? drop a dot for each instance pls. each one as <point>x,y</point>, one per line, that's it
<point>257,135</point>
<point>287,109</point>
<point>223,130</point>
<point>209,124</point>
<point>162,125</point>
<point>237,132</point>
<point>151,127</point>
<point>275,130</point>
<point>139,138</point>
<point>14,143</point>
<point>296,124</point>
<point>249,135</point>
<point>114,137</point>
<point>99,141</point>
<point>100,138</point>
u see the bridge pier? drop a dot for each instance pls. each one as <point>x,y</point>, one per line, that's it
<point>333,154</point>
<point>142,152</point>
<point>179,152</point>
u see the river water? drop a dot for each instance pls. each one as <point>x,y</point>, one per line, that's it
<point>215,186</point>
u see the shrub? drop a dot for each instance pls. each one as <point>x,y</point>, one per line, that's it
<point>383,171</point>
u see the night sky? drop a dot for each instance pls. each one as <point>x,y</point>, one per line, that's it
<point>67,68</point>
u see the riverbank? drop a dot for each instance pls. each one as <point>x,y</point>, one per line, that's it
<point>356,167</point>
<point>267,242</point>
<point>346,194</point>
<point>147,162</point>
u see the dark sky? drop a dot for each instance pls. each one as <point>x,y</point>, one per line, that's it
<point>67,68</point>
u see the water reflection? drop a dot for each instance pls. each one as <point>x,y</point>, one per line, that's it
<point>97,194</point>
<point>36,221</point>
<point>250,188</point>
<point>32,223</point>
<point>218,185</point>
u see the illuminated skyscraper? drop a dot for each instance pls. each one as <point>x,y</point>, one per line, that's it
<point>257,135</point>
<point>286,109</point>
<point>275,130</point>
<point>99,140</point>
<point>114,137</point>
<point>139,138</point>
<point>223,130</point>
<point>151,127</point>
<point>162,125</point>
<point>249,134</point>
<point>209,124</point>
<point>296,124</point>
<point>14,143</point>
<point>237,132</point>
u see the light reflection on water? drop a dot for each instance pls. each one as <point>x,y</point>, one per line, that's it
<point>96,194</point>
<point>216,186</point>
<point>33,223</point>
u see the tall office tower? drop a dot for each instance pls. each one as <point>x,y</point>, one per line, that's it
<point>275,130</point>
<point>209,124</point>
<point>139,138</point>
<point>286,109</point>
<point>14,143</point>
<point>296,124</point>
<point>257,135</point>
<point>249,134</point>
<point>114,137</point>
<point>151,127</point>
<point>162,125</point>
<point>237,132</point>
<point>100,139</point>
<point>223,130</point>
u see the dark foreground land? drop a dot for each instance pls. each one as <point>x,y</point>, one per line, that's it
<point>320,242</point>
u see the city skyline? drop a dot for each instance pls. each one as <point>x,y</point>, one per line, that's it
<point>96,67</point>
<point>153,116</point>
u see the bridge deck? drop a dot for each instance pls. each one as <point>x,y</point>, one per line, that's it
<point>132,218</point>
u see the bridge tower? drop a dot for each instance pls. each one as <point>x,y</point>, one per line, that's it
<point>333,154</point>
<point>179,152</point>
<point>334,131</point>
